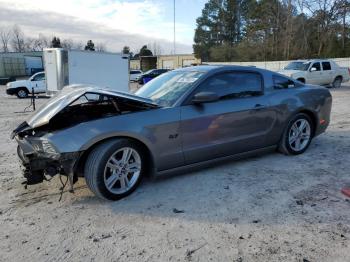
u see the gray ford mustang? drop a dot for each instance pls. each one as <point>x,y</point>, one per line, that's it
<point>181,119</point>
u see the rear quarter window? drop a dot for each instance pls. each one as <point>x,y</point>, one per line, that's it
<point>326,66</point>
<point>280,82</point>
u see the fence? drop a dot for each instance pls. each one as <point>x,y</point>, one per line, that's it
<point>278,65</point>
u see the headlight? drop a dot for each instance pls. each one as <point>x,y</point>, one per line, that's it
<point>44,148</point>
<point>48,148</point>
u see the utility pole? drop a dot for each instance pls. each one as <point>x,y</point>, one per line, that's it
<point>174,31</point>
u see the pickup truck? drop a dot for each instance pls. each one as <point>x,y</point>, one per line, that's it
<point>22,88</point>
<point>317,72</point>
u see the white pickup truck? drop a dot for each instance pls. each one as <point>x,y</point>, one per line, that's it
<point>317,72</point>
<point>22,88</point>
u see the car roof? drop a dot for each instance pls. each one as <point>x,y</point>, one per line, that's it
<point>218,68</point>
<point>311,60</point>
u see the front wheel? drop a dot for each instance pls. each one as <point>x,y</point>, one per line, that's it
<point>297,136</point>
<point>22,93</point>
<point>114,169</point>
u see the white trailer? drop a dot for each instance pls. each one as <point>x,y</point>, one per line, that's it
<point>65,67</point>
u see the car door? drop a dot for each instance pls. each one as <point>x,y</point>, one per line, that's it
<point>328,72</point>
<point>238,122</point>
<point>315,75</point>
<point>38,83</point>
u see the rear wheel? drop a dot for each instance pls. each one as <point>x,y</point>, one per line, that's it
<point>114,169</point>
<point>337,82</point>
<point>22,93</point>
<point>297,136</point>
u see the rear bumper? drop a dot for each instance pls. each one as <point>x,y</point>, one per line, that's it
<point>324,116</point>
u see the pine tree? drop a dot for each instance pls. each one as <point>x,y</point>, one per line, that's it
<point>90,46</point>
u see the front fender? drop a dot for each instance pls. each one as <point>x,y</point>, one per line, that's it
<point>84,135</point>
<point>298,75</point>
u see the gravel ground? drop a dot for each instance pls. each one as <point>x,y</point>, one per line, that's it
<point>267,208</point>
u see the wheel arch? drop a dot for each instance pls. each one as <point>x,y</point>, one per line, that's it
<point>338,76</point>
<point>309,113</point>
<point>150,160</point>
<point>301,79</point>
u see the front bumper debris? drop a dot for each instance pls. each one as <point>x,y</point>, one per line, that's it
<point>38,167</point>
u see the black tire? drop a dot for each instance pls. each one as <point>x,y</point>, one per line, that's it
<point>284,146</point>
<point>22,93</point>
<point>302,80</point>
<point>96,163</point>
<point>337,82</point>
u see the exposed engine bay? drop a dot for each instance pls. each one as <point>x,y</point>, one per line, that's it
<point>41,160</point>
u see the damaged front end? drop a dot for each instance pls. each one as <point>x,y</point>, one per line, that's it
<point>40,159</point>
<point>47,146</point>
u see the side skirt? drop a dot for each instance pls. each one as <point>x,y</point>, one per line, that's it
<point>207,163</point>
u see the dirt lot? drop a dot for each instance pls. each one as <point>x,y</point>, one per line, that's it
<point>268,208</point>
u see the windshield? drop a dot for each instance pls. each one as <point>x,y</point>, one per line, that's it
<point>167,88</point>
<point>149,71</point>
<point>302,66</point>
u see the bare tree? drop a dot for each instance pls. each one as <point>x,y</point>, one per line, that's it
<point>67,43</point>
<point>17,41</point>
<point>100,47</point>
<point>325,13</point>
<point>156,48</point>
<point>5,36</point>
<point>78,45</point>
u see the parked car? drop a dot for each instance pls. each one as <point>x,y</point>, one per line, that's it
<point>181,119</point>
<point>317,72</point>
<point>22,88</point>
<point>153,73</point>
<point>135,74</point>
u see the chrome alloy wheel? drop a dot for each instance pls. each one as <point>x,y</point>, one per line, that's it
<point>122,170</point>
<point>299,135</point>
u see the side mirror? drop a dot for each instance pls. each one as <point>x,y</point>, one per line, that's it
<point>313,69</point>
<point>205,97</point>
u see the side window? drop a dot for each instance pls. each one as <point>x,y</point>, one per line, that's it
<point>326,66</point>
<point>280,82</point>
<point>233,84</point>
<point>317,65</point>
<point>39,77</point>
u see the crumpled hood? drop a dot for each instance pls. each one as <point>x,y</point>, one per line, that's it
<point>71,93</point>
<point>288,73</point>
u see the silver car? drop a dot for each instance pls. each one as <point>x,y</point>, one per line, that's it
<point>181,119</point>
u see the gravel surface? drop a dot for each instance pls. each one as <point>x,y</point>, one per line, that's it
<point>267,208</point>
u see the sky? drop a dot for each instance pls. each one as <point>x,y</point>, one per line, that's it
<point>115,23</point>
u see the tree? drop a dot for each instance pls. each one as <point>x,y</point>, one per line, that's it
<point>90,46</point>
<point>253,30</point>
<point>17,41</point>
<point>5,36</point>
<point>101,47</point>
<point>126,50</point>
<point>156,48</point>
<point>222,23</point>
<point>144,51</point>
<point>56,42</point>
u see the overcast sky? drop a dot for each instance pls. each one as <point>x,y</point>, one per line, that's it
<point>113,22</point>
